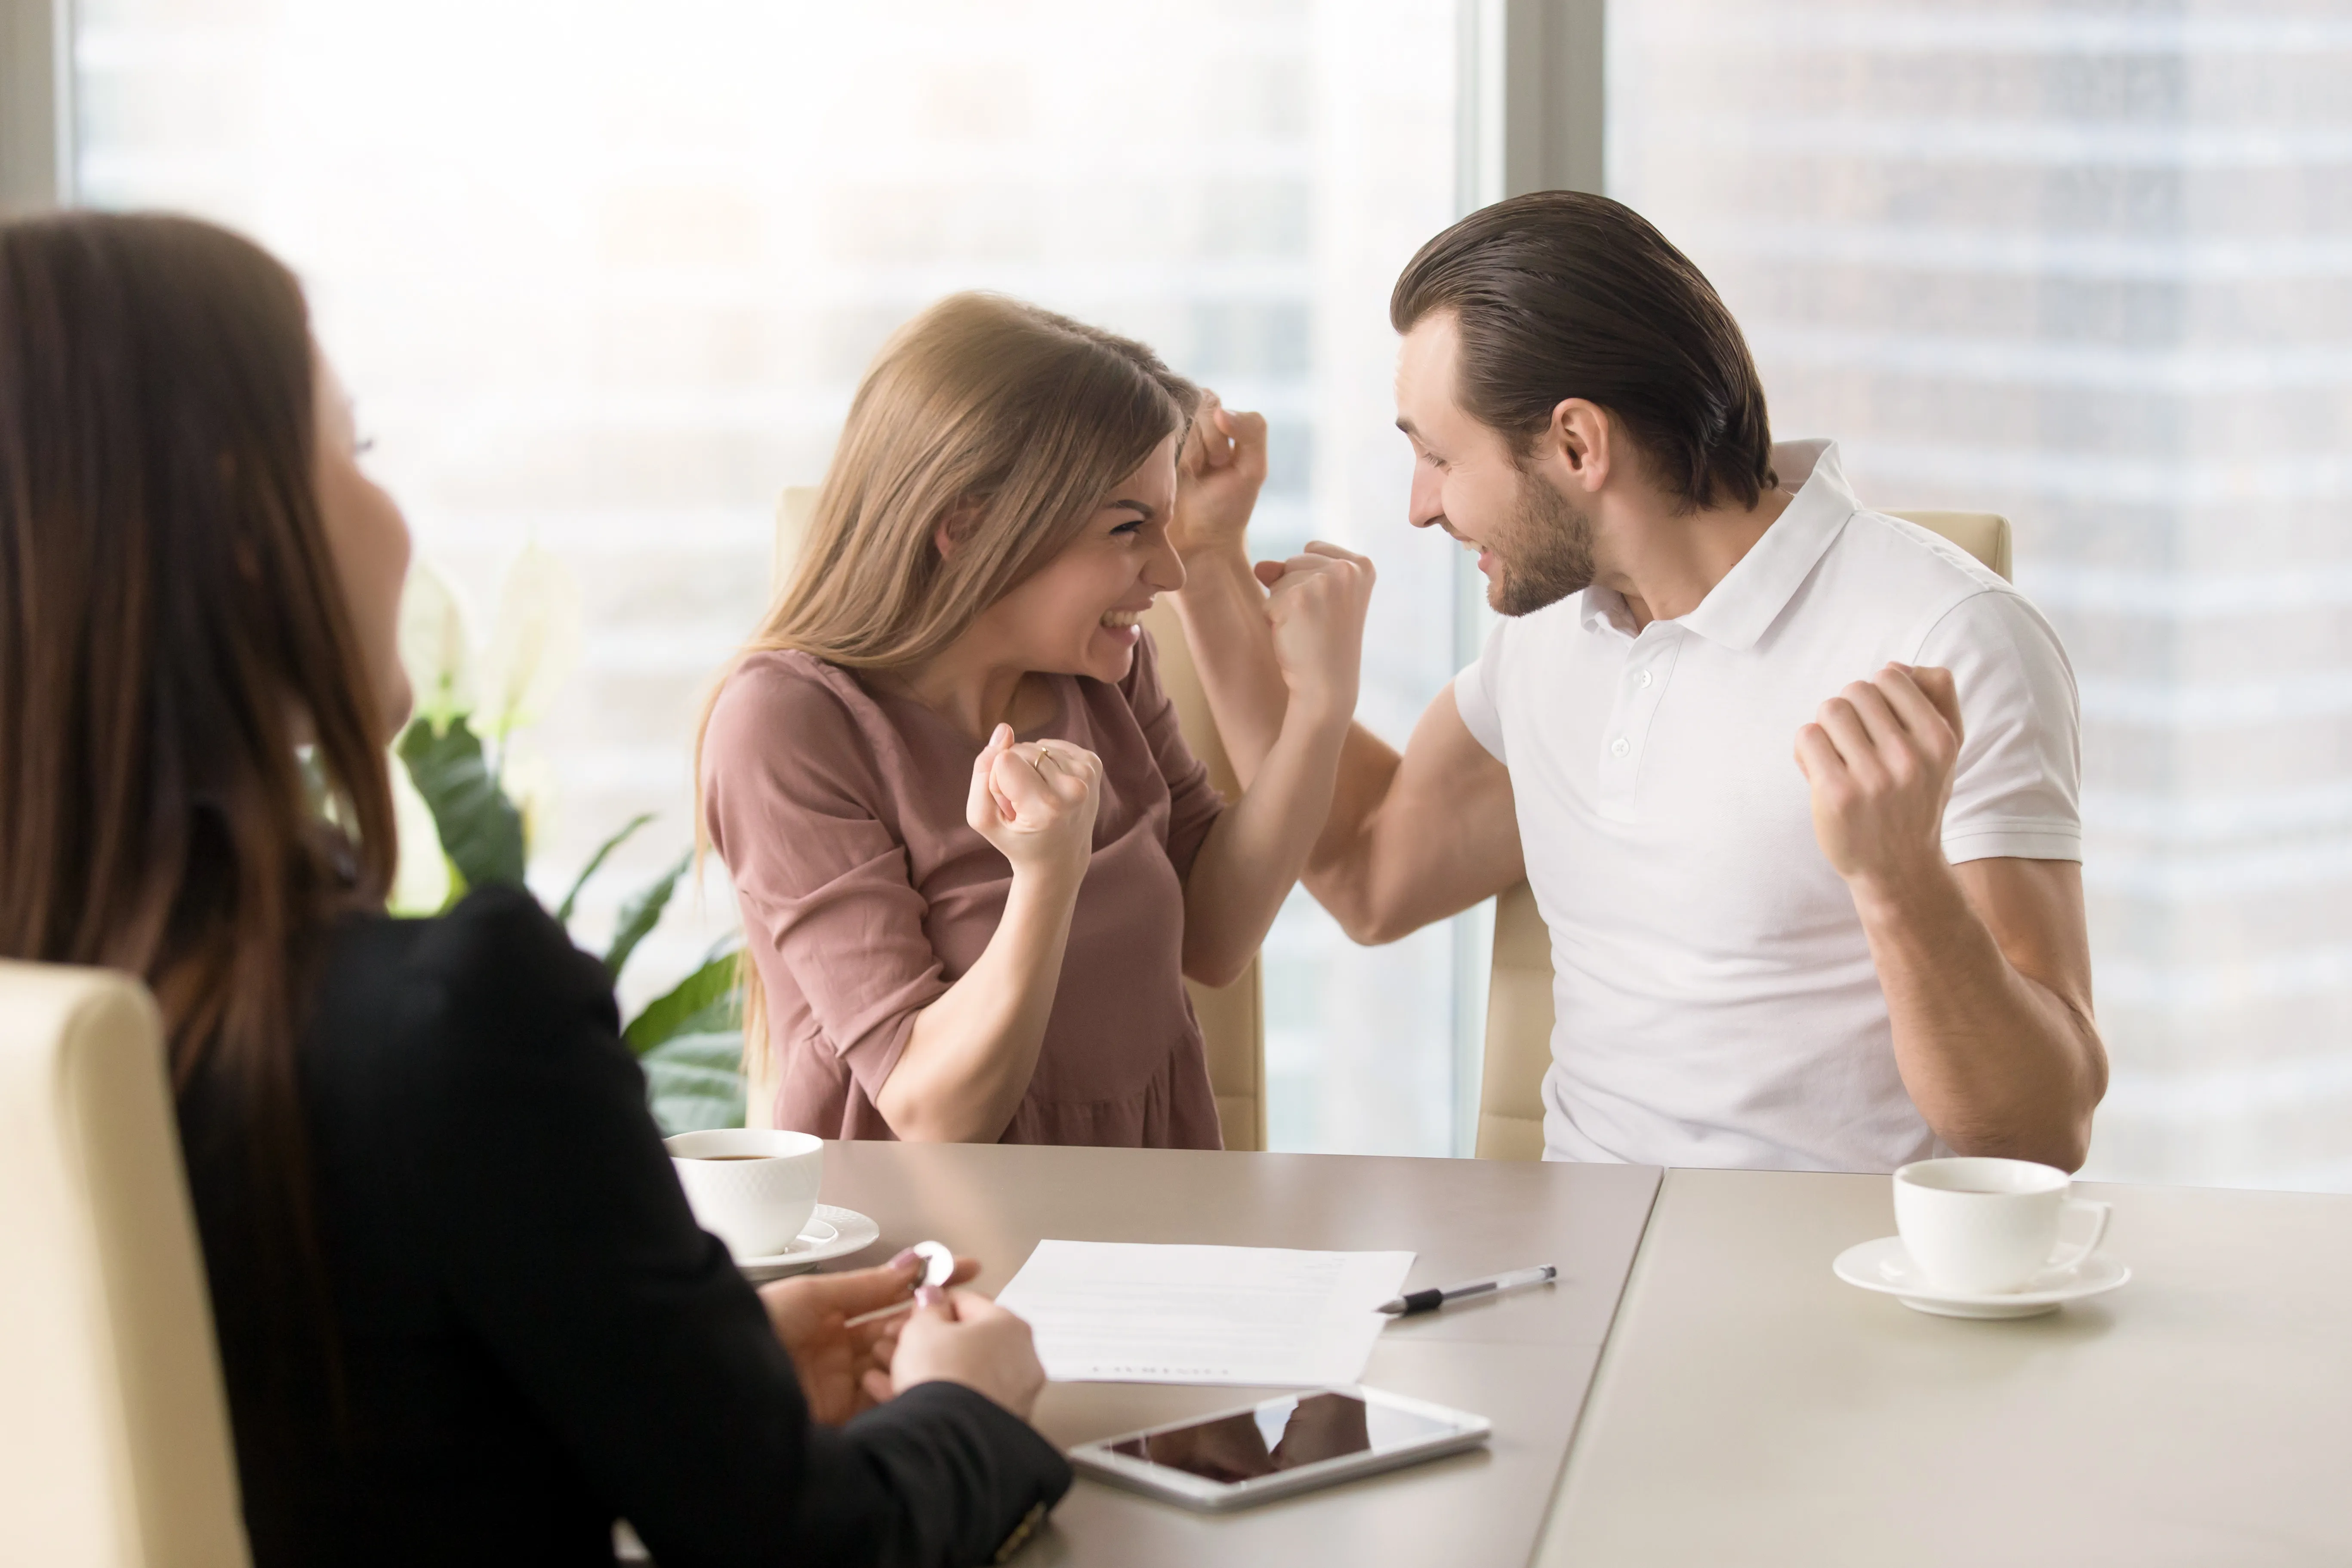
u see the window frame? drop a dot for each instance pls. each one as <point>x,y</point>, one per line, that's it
<point>35,105</point>
<point>1530,114</point>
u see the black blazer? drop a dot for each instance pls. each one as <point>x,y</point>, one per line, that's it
<point>532,1337</point>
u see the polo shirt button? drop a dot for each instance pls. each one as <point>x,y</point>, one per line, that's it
<point>1620,746</point>
<point>1643,679</point>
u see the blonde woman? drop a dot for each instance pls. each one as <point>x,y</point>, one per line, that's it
<point>974,859</point>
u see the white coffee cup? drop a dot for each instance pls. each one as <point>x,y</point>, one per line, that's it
<point>1985,1227</point>
<point>753,1188</point>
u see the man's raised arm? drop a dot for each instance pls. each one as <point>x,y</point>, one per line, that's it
<point>1986,965</point>
<point>1410,839</point>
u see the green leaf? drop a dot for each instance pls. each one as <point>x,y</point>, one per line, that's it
<point>706,1002</point>
<point>694,1081</point>
<point>713,1053</point>
<point>479,827</point>
<point>641,914</point>
<point>563,914</point>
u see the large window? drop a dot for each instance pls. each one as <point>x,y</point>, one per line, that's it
<point>2090,266</point>
<point>602,277</point>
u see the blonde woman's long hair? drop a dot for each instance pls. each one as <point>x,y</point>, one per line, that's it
<point>1008,424</point>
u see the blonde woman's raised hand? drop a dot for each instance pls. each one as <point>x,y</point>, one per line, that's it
<point>1217,479</point>
<point>1036,801</point>
<point>1317,603</point>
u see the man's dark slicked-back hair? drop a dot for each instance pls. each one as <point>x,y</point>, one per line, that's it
<point>1559,294</point>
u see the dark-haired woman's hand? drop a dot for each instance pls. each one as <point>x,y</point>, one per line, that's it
<point>1217,479</point>
<point>843,1370</point>
<point>961,1336</point>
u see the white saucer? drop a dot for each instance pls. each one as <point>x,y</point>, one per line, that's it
<point>1883,1266</point>
<point>830,1233</point>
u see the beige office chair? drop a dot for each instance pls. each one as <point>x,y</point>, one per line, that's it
<point>793,509</point>
<point>1518,996</point>
<point>1232,1017</point>
<point>114,1435</point>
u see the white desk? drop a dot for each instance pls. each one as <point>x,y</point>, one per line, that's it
<point>1752,1409</point>
<point>1749,1409</point>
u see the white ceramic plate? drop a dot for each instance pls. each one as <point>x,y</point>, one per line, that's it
<point>1883,1266</point>
<point>832,1232</point>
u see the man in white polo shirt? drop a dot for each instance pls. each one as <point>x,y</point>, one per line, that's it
<point>1794,783</point>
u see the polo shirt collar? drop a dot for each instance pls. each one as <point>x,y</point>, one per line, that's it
<point>1740,608</point>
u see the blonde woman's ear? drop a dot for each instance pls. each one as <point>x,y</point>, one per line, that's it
<point>952,529</point>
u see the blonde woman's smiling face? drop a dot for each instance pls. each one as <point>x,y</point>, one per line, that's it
<point>1079,614</point>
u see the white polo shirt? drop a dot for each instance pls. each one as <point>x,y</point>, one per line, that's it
<point>1716,1000</point>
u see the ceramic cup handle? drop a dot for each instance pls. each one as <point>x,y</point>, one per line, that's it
<point>2073,1257</point>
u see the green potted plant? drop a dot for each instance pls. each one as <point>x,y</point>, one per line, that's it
<point>467,820</point>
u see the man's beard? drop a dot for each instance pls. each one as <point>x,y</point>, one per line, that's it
<point>1546,555</point>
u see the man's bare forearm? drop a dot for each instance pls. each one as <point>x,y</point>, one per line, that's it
<point>1222,607</point>
<point>1344,869</point>
<point>1998,1061</point>
<point>1408,839</point>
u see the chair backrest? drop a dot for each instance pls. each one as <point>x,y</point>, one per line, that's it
<point>114,1434</point>
<point>1518,997</point>
<point>792,509</point>
<point>1983,534</point>
<point>1232,1017</point>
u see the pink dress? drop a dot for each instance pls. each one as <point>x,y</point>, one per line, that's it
<point>839,810</point>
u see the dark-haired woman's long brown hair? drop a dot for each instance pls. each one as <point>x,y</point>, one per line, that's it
<point>191,782</point>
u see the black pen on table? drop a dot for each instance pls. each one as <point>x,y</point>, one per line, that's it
<point>1429,1300</point>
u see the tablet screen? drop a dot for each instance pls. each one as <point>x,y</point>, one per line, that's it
<point>1281,1435</point>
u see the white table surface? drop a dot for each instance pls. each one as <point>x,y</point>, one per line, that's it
<point>1751,1408</point>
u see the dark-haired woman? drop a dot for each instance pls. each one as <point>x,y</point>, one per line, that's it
<point>464,1312</point>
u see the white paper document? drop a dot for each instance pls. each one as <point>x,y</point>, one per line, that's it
<point>1112,1312</point>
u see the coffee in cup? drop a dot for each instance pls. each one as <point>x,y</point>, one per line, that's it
<point>753,1188</point>
<point>1986,1226</point>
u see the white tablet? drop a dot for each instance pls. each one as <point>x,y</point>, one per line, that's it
<point>1282,1446</point>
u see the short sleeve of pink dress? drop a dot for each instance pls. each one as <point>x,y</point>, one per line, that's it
<point>839,812</point>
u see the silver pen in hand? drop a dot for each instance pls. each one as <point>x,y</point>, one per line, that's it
<point>1429,1301</point>
<point>938,1266</point>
